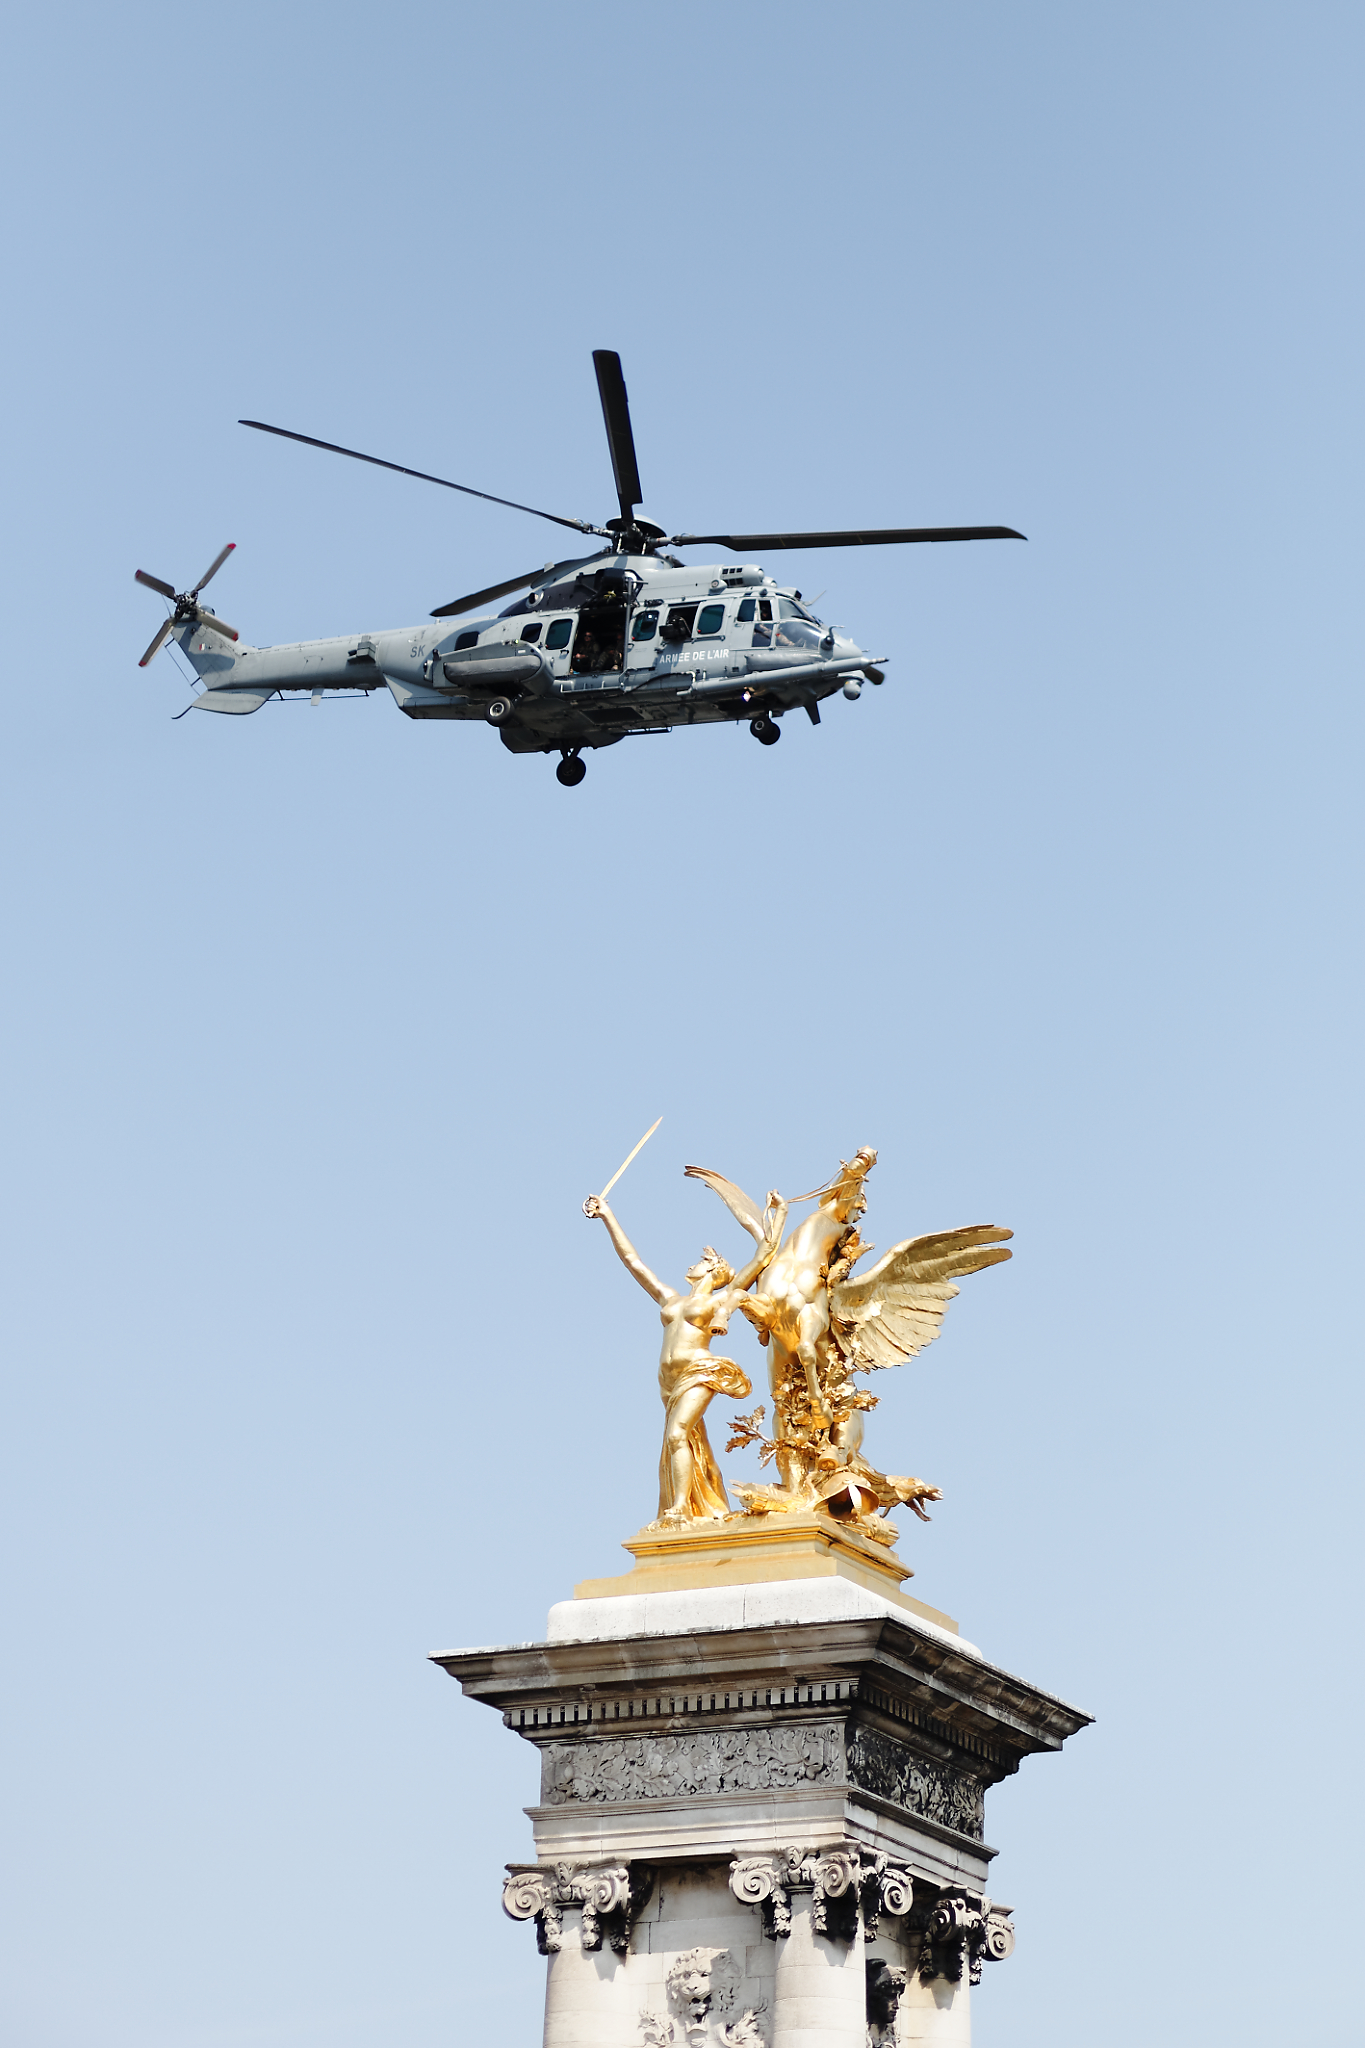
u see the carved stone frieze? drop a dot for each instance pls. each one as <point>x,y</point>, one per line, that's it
<point>891,1769</point>
<point>844,1883</point>
<point>960,1933</point>
<point>668,1766</point>
<point>609,1894</point>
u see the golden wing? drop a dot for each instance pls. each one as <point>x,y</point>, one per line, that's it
<point>736,1201</point>
<point>884,1316</point>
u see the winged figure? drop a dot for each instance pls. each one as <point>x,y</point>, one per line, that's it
<point>890,1312</point>
<point>822,1326</point>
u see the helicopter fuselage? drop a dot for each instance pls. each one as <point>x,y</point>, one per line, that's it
<point>597,650</point>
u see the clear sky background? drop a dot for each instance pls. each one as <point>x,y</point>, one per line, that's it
<point>319,1024</point>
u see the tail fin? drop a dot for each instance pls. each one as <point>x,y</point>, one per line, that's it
<point>219,664</point>
<point>209,654</point>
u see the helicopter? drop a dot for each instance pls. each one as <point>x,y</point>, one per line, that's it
<point>621,642</point>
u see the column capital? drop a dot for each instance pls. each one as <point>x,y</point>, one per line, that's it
<point>610,1895</point>
<point>961,1931</point>
<point>845,1884</point>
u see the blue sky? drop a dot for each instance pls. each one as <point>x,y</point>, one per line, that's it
<point>320,1023</point>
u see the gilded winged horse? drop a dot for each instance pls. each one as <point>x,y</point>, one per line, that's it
<point>822,1325</point>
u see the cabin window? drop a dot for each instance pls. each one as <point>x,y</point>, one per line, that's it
<point>711,618</point>
<point>747,612</point>
<point>560,633</point>
<point>466,640</point>
<point>678,624</point>
<point>531,633</point>
<point>645,627</point>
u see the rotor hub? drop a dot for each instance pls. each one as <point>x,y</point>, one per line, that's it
<point>636,536</point>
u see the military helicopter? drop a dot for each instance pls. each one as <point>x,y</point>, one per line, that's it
<point>615,644</point>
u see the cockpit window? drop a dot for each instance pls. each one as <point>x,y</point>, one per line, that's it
<point>797,633</point>
<point>747,608</point>
<point>531,633</point>
<point>645,627</point>
<point>560,633</point>
<point>788,608</point>
<point>710,618</point>
<point>466,640</point>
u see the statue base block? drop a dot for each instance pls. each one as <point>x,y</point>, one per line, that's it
<point>761,1819</point>
<point>760,1550</point>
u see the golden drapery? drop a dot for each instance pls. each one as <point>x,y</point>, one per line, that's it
<point>706,1498</point>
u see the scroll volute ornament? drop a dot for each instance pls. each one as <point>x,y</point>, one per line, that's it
<point>961,1933</point>
<point>764,1881</point>
<point>999,1934</point>
<point>834,1888</point>
<point>884,1888</point>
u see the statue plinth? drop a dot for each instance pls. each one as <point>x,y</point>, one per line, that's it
<point>763,1774</point>
<point>760,1550</point>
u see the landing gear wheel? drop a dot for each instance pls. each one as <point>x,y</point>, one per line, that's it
<point>571,771</point>
<point>497,710</point>
<point>765,730</point>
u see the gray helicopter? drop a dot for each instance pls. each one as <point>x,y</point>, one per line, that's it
<point>611,645</point>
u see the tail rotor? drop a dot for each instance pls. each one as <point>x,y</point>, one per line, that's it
<point>186,603</point>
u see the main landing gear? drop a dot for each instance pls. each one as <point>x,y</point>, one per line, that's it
<point>571,770</point>
<point>765,730</point>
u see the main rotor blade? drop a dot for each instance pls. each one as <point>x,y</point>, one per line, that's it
<point>611,386</point>
<point>214,625</point>
<point>334,448</point>
<point>213,568</point>
<point>162,630</point>
<point>854,537</point>
<point>154,583</point>
<point>478,597</point>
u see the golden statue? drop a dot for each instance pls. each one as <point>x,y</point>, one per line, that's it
<point>690,1486</point>
<point>791,1314</point>
<point>822,1327</point>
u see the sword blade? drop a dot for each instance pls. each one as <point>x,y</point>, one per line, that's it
<point>629,1156</point>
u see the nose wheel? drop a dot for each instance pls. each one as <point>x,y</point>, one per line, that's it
<point>765,730</point>
<point>571,770</point>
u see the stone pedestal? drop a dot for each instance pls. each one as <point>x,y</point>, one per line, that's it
<point>761,1818</point>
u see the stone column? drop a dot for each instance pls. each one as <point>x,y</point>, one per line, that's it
<point>821,1991</point>
<point>587,1996</point>
<point>935,2015</point>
